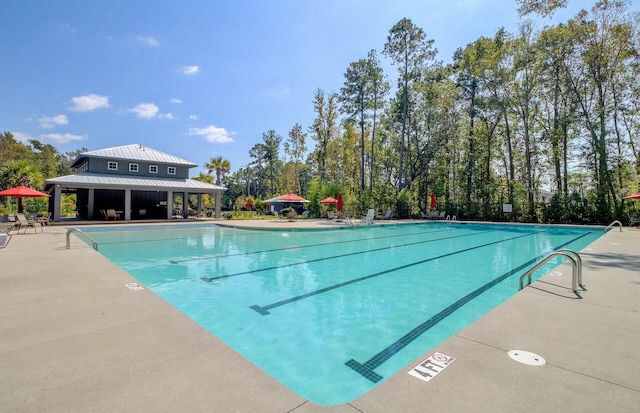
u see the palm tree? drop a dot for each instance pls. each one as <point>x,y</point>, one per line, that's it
<point>220,166</point>
<point>203,177</point>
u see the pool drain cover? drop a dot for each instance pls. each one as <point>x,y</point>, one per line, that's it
<point>526,357</point>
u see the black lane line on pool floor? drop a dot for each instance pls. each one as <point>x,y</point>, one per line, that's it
<point>367,368</point>
<point>297,247</point>
<point>264,310</point>
<point>332,257</point>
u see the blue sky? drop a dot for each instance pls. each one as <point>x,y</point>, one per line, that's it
<point>200,79</point>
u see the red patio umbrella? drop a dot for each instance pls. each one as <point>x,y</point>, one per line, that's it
<point>339,202</point>
<point>329,200</point>
<point>22,192</point>
<point>434,204</point>
<point>634,196</point>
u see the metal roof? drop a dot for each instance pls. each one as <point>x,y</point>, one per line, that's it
<point>135,152</point>
<point>104,181</point>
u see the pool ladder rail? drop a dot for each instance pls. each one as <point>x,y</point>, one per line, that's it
<point>78,230</point>
<point>612,224</point>
<point>576,271</point>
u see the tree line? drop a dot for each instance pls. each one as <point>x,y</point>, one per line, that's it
<point>545,121</point>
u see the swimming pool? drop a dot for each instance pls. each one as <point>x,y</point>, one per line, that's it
<point>332,313</point>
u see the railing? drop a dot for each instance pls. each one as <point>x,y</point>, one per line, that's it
<point>451,218</point>
<point>576,271</point>
<point>612,224</point>
<point>78,230</point>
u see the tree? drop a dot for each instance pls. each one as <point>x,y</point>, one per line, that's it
<point>601,53</point>
<point>543,8</point>
<point>202,177</point>
<point>355,100</point>
<point>270,153</point>
<point>361,94</point>
<point>19,172</point>
<point>295,147</point>
<point>554,46</point>
<point>408,49</point>
<point>220,166</point>
<point>379,88</point>
<point>323,129</point>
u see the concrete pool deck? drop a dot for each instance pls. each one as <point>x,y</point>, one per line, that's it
<point>75,339</point>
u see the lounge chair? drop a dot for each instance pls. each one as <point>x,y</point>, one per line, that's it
<point>368,219</point>
<point>633,219</point>
<point>387,215</point>
<point>331,215</point>
<point>441,216</point>
<point>111,213</point>
<point>24,222</point>
<point>4,239</point>
<point>431,215</point>
<point>423,215</point>
<point>6,227</point>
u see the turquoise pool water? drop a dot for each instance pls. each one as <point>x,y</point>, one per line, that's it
<point>333,313</point>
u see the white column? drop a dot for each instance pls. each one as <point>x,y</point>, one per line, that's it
<point>169,204</point>
<point>127,204</point>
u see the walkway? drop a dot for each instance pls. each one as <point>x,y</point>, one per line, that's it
<point>75,339</point>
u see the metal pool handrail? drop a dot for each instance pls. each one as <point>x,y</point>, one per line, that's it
<point>576,271</point>
<point>612,224</point>
<point>94,242</point>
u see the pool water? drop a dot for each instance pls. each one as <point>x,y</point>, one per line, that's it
<point>332,313</point>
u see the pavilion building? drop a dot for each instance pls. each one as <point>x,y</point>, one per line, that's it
<point>136,181</point>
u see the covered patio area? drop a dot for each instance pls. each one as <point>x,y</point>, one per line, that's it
<point>99,196</point>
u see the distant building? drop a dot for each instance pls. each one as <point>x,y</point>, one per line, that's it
<point>136,181</point>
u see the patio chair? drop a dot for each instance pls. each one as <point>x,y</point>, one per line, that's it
<point>441,215</point>
<point>111,213</point>
<point>387,215</point>
<point>44,220</point>
<point>633,219</point>
<point>25,223</point>
<point>331,215</point>
<point>368,219</point>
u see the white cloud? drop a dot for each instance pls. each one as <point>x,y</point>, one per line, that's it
<point>88,103</point>
<point>62,138</point>
<point>213,134</point>
<point>148,41</point>
<point>49,122</point>
<point>57,138</point>
<point>175,100</point>
<point>21,137</point>
<point>190,70</point>
<point>194,117</point>
<point>166,116</point>
<point>145,110</point>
